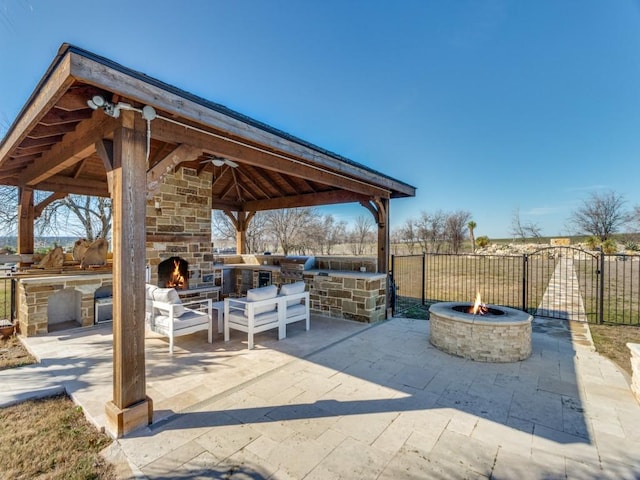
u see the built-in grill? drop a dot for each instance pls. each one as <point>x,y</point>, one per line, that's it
<point>292,267</point>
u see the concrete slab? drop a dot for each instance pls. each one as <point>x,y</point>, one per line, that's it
<point>347,400</point>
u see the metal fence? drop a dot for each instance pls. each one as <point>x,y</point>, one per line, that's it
<point>7,296</point>
<point>558,282</point>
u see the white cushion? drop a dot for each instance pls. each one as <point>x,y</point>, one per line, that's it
<point>148,307</point>
<point>290,289</point>
<point>263,293</point>
<point>258,320</point>
<point>296,310</point>
<point>169,295</point>
<point>192,318</point>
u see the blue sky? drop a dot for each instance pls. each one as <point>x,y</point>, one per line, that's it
<point>485,106</point>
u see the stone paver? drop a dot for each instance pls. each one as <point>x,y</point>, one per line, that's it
<point>361,402</point>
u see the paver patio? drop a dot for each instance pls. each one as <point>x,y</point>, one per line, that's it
<point>347,400</point>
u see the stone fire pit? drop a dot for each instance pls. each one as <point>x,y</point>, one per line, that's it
<point>501,335</point>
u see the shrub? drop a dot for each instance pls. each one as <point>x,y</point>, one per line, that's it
<point>482,241</point>
<point>609,246</point>
<point>592,243</point>
<point>632,246</point>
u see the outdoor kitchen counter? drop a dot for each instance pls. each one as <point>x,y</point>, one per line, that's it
<point>247,266</point>
<point>346,274</point>
<point>359,296</point>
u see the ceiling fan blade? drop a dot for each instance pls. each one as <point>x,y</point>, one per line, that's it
<point>231,163</point>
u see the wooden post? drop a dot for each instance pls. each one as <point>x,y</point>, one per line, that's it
<point>240,221</point>
<point>383,235</point>
<point>130,407</point>
<point>26,217</point>
<point>379,208</point>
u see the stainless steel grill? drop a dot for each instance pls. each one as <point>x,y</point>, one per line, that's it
<point>292,267</point>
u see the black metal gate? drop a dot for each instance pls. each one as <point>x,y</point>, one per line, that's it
<point>407,282</point>
<point>556,282</point>
<point>564,282</point>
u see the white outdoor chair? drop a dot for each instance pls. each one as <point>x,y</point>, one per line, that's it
<point>168,316</point>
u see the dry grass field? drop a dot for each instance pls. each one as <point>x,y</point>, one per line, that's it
<point>51,439</point>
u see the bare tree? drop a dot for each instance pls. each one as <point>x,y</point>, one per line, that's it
<point>81,215</point>
<point>408,235</point>
<point>455,228</point>
<point>288,227</point>
<point>523,231</point>
<point>84,216</point>
<point>431,231</point>
<point>361,235</point>
<point>325,233</point>
<point>257,236</point>
<point>601,215</point>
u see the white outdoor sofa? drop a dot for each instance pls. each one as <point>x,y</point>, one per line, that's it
<point>265,309</point>
<point>167,315</point>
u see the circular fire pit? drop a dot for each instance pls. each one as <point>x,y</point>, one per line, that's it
<point>501,335</point>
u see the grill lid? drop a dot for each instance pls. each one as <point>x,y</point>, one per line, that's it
<point>297,262</point>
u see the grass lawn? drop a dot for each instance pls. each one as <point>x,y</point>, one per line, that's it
<point>611,341</point>
<point>47,438</point>
<point>51,438</point>
<point>13,353</point>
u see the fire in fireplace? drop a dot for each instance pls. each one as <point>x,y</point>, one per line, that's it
<point>174,273</point>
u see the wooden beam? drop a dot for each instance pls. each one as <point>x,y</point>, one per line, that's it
<point>155,174</point>
<point>134,88</point>
<point>379,208</point>
<point>48,201</point>
<point>75,147</point>
<point>223,205</point>
<point>42,131</point>
<point>25,221</point>
<point>104,149</point>
<point>305,200</point>
<point>59,117</point>
<point>29,142</point>
<point>58,183</point>
<point>169,132</point>
<point>130,407</point>
<point>240,221</point>
<point>44,97</point>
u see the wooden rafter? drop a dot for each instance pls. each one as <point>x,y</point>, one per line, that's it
<point>74,147</point>
<point>170,132</point>
<point>305,200</point>
<point>155,174</point>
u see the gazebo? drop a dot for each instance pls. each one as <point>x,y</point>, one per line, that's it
<point>94,127</point>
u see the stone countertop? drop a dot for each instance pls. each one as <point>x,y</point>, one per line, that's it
<point>246,266</point>
<point>346,274</point>
<point>56,278</point>
<point>320,272</point>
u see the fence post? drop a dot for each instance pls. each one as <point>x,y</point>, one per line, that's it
<point>424,283</point>
<point>601,287</point>
<point>525,261</point>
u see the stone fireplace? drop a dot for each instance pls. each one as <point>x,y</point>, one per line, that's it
<point>178,221</point>
<point>174,273</point>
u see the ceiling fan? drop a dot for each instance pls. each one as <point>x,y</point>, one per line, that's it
<point>219,162</point>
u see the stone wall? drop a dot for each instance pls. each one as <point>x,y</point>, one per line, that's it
<point>32,298</point>
<point>348,295</point>
<point>179,224</point>
<point>635,368</point>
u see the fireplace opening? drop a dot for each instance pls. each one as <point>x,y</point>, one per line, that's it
<point>174,273</point>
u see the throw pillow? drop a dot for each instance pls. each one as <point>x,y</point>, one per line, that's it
<point>263,293</point>
<point>290,289</point>
<point>169,295</point>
